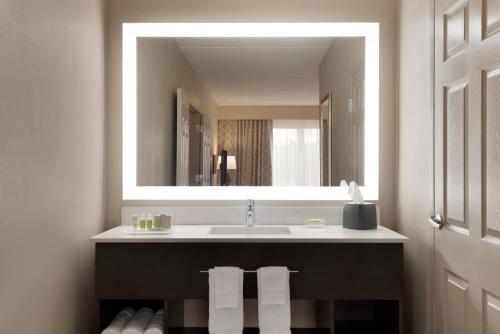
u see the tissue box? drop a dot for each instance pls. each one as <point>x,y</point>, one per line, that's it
<point>360,216</point>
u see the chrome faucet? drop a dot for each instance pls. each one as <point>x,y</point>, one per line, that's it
<point>250,212</point>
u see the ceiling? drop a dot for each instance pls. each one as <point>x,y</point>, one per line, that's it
<point>258,71</point>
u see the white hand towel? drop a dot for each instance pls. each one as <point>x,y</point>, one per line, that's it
<point>139,322</point>
<point>274,300</point>
<point>225,320</point>
<point>156,324</point>
<point>227,286</point>
<point>274,285</point>
<point>118,323</point>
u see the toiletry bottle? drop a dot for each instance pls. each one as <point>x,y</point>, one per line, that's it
<point>157,223</point>
<point>149,222</point>
<point>135,222</point>
<point>142,221</point>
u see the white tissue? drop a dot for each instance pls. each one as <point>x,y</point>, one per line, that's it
<point>353,192</point>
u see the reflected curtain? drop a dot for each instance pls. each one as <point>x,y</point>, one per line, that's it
<point>296,153</point>
<point>250,141</point>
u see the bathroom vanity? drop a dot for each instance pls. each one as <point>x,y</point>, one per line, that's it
<point>170,153</point>
<point>334,266</point>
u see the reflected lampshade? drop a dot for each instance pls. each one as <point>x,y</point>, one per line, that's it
<point>231,162</point>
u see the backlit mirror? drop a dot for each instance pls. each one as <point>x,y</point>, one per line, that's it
<point>276,108</point>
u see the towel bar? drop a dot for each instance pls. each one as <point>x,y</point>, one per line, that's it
<point>252,271</point>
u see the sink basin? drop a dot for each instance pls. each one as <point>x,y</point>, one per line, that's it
<point>261,230</point>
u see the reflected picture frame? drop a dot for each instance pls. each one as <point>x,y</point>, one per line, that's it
<point>326,140</point>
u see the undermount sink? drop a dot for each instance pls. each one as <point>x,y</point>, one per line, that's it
<point>250,230</point>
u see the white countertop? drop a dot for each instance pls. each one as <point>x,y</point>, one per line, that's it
<point>299,233</point>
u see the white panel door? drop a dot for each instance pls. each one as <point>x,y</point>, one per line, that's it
<point>467,166</point>
<point>182,136</point>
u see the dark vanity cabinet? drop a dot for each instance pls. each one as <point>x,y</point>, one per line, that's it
<point>339,276</point>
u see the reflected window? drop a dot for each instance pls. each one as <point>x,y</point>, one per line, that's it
<point>296,155</point>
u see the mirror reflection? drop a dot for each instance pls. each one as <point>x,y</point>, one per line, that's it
<point>250,111</point>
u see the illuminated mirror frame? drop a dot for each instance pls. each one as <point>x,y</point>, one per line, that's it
<point>132,31</point>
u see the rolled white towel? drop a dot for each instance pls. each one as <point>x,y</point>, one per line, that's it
<point>118,324</point>
<point>156,324</point>
<point>139,322</point>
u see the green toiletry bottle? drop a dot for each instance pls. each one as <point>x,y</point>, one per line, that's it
<point>142,221</point>
<point>149,222</point>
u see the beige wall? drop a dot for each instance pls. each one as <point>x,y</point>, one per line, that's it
<point>51,163</point>
<point>415,171</point>
<point>344,56</point>
<point>161,69</point>
<point>268,112</point>
<point>383,11</point>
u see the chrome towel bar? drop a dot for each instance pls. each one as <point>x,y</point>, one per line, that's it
<point>252,271</point>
